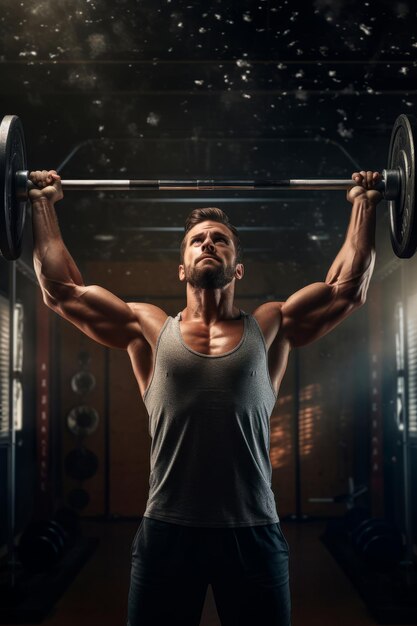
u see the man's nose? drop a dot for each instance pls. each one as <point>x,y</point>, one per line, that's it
<point>208,244</point>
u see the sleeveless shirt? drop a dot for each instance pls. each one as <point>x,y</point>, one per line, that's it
<point>209,425</point>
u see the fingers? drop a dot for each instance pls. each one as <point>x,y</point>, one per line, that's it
<point>46,184</point>
<point>366,179</point>
<point>44,178</point>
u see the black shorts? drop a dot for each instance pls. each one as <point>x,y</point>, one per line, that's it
<point>173,565</point>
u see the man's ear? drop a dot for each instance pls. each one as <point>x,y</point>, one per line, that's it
<point>239,271</point>
<point>181,273</point>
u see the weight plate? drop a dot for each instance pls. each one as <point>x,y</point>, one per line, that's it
<point>374,528</point>
<point>401,156</point>
<point>41,545</point>
<point>81,464</point>
<point>82,382</point>
<point>84,358</point>
<point>40,554</point>
<point>12,207</point>
<point>82,420</point>
<point>359,528</point>
<point>385,549</point>
<point>60,531</point>
<point>78,499</point>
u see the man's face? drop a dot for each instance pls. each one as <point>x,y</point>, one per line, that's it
<point>210,257</point>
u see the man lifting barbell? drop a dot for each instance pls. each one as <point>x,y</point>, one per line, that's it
<point>209,379</point>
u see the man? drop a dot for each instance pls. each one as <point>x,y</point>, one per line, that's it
<point>209,378</point>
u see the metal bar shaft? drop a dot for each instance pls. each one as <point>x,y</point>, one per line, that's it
<point>206,185</point>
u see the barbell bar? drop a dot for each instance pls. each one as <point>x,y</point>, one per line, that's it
<point>195,185</point>
<point>397,186</point>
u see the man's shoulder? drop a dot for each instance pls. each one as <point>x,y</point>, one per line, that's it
<point>145,309</point>
<point>268,309</point>
<point>151,319</point>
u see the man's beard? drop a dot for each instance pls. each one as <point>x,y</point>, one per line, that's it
<point>210,277</point>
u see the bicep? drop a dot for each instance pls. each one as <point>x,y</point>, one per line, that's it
<point>314,311</point>
<point>99,314</point>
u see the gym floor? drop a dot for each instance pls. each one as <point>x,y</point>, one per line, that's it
<point>321,593</point>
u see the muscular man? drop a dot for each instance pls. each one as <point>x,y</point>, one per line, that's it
<point>209,378</point>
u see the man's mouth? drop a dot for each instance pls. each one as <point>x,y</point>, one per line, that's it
<point>208,257</point>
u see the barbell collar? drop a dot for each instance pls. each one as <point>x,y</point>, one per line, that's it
<point>392,180</point>
<point>22,184</point>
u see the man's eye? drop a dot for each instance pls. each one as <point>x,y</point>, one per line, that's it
<point>196,239</point>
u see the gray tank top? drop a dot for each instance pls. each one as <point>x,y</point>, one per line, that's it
<point>209,424</point>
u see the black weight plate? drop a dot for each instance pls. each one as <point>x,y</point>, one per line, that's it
<point>384,549</point>
<point>403,220</point>
<point>82,420</point>
<point>12,208</point>
<point>40,554</point>
<point>78,499</point>
<point>84,358</point>
<point>44,528</point>
<point>377,527</point>
<point>82,382</point>
<point>60,531</point>
<point>41,545</point>
<point>359,528</point>
<point>81,464</point>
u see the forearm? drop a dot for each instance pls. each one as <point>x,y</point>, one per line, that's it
<point>353,266</point>
<point>55,268</point>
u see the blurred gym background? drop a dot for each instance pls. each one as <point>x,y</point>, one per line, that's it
<point>176,89</point>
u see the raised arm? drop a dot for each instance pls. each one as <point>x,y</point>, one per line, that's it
<point>98,313</point>
<point>315,310</point>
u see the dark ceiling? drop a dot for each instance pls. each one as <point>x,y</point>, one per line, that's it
<point>173,89</point>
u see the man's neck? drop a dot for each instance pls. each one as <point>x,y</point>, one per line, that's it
<point>210,305</point>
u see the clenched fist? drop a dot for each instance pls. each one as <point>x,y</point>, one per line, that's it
<point>365,186</point>
<point>48,185</point>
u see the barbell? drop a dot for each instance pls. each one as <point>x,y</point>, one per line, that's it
<point>397,186</point>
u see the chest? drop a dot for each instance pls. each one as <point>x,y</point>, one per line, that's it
<point>232,379</point>
<point>212,340</point>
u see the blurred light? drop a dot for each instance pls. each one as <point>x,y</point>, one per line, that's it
<point>104,237</point>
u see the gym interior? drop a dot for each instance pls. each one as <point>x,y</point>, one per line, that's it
<point>186,90</point>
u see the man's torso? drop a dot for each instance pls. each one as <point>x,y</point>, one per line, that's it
<point>211,340</point>
<point>209,425</point>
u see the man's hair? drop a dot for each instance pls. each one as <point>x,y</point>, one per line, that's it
<point>212,214</point>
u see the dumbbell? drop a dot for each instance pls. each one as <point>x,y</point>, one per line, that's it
<point>42,545</point>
